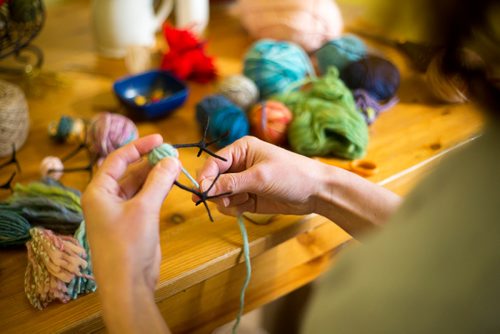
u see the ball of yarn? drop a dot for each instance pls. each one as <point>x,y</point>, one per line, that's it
<point>378,76</point>
<point>225,118</point>
<point>51,167</point>
<point>449,88</point>
<point>240,90</point>
<point>305,22</point>
<point>269,121</point>
<point>275,66</point>
<point>68,130</point>
<point>369,107</point>
<point>161,152</point>
<point>325,120</point>
<point>108,132</point>
<point>340,52</point>
<point>14,118</point>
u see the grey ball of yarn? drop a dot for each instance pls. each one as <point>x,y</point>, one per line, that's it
<point>14,118</point>
<point>240,90</point>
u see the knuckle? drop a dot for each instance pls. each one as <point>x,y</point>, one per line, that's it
<point>230,183</point>
<point>261,175</point>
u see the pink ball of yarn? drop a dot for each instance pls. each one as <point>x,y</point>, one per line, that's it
<point>51,167</point>
<point>108,132</point>
<point>309,23</point>
<point>269,121</point>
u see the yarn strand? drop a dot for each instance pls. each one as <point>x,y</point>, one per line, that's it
<point>246,254</point>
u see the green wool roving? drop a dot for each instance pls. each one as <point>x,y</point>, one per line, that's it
<point>47,203</point>
<point>326,121</point>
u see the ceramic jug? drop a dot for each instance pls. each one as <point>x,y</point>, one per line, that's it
<point>119,24</point>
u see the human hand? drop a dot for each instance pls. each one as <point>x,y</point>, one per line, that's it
<point>262,178</point>
<point>121,206</point>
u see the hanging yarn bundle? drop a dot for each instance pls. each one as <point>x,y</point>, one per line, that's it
<point>226,119</point>
<point>369,107</point>
<point>378,76</point>
<point>240,90</point>
<point>108,132</point>
<point>14,229</point>
<point>449,88</point>
<point>47,203</point>
<point>187,57</point>
<point>340,52</point>
<point>68,130</point>
<point>308,23</point>
<point>326,120</point>
<point>53,262</point>
<point>275,66</point>
<point>14,118</point>
<point>84,282</point>
<point>269,121</point>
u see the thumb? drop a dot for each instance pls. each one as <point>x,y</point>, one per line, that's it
<point>160,181</point>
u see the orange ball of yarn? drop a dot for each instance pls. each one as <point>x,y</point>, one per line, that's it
<point>269,121</point>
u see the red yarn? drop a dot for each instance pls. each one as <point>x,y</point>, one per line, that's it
<point>186,57</point>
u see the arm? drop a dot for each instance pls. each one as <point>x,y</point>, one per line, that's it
<point>264,178</point>
<point>121,206</point>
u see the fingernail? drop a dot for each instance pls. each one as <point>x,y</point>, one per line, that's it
<point>206,183</point>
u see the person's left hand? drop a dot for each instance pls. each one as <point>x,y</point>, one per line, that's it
<point>121,206</point>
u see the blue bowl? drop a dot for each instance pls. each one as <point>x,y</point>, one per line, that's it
<point>128,89</point>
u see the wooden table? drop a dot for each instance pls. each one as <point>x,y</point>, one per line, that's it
<point>202,271</point>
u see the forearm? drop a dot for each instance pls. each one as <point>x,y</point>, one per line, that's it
<point>131,309</point>
<point>352,202</point>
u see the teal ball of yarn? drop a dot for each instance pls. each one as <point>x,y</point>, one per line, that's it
<point>274,66</point>
<point>340,52</point>
<point>161,152</point>
<point>224,117</point>
<point>377,76</point>
<point>14,228</point>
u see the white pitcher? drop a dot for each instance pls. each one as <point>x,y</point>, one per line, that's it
<point>118,24</point>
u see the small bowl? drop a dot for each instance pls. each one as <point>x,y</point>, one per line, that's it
<point>135,93</point>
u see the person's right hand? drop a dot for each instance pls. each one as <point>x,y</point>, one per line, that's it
<point>262,178</point>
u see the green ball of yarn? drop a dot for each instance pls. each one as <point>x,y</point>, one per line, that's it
<point>326,121</point>
<point>23,11</point>
<point>274,66</point>
<point>340,52</point>
<point>161,152</point>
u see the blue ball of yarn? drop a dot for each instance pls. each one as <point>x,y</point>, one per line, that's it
<point>274,66</point>
<point>378,76</point>
<point>224,116</point>
<point>340,52</point>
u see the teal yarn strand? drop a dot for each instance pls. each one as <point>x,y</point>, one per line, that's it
<point>326,121</point>
<point>248,265</point>
<point>275,65</point>
<point>340,52</point>
<point>14,229</point>
<point>166,150</point>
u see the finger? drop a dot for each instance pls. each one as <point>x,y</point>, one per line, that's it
<point>235,155</point>
<point>134,178</point>
<point>248,206</point>
<point>117,162</point>
<point>160,181</point>
<point>248,181</point>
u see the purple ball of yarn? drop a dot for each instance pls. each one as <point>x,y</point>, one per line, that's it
<point>369,107</point>
<point>108,132</point>
<point>378,76</point>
